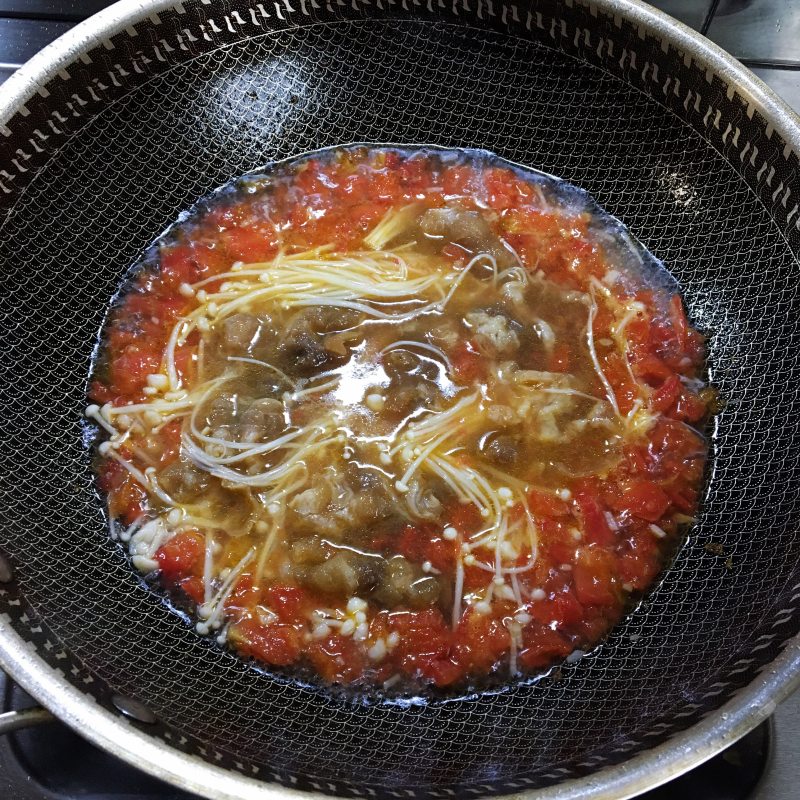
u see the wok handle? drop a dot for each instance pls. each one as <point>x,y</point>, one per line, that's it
<point>16,720</point>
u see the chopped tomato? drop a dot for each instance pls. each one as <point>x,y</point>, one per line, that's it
<point>595,578</point>
<point>424,636</point>
<point>179,555</point>
<point>652,369</point>
<point>557,540</point>
<point>640,497</point>
<point>481,640</point>
<point>250,244</point>
<point>414,541</point>
<point>245,594</point>
<point>274,644</point>
<point>465,518</point>
<point>290,603</point>
<point>128,500</point>
<point>336,658</point>
<point>667,394</point>
<point>559,611</point>
<point>596,527</point>
<point>689,407</point>
<point>546,505</point>
<point>442,671</point>
<point>542,645</point>
<point>129,369</point>
<point>194,588</point>
<point>639,560</point>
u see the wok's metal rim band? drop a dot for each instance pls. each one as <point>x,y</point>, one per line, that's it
<point>743,712</point>
<point>116,735</point>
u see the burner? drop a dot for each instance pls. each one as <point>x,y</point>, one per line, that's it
<point>51,762</point>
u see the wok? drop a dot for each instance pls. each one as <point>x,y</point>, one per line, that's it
<point>114,129</point>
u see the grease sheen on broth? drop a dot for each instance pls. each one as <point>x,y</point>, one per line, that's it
<point>397,417</point>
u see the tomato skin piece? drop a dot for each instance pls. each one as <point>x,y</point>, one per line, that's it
<point>666,395</point>
<point>680,325</point>
<point>596,527</point>
<point>179,555</point>
<point>467,362</point>
<point>595,579</point>
<point>194,588</point>
<point>275,644</point>
<point>641,498</point>
<point>541,646</point>
<point>288,602</point>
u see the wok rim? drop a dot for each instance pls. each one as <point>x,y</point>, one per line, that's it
<point>744,711</point>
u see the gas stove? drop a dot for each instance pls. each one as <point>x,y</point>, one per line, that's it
<point>51,762</point>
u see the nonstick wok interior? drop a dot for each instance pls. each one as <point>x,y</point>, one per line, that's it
<point>111,177</point>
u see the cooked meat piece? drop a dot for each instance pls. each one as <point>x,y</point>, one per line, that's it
<point>494,333</point>
<point>347,573</point>
<point>222,410</point>
<point>327,319</point>
<point>502,416</point>
<point>342,342</point>
<point>399,362</point>
<point>183,481</point>
<point>445,334</point>
<point>407,393</point>
<point>261,421</point>
<point>404,584</point>
<point>304,353</point>
<point>468,228</point>
<point>304,349</point>
<point>308,551</point>
<point>503,449</point>
<point>340,508</point>
<point>240,333</point>
<point>423,592</point>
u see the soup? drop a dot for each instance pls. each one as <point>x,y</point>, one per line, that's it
<point>398,418</point>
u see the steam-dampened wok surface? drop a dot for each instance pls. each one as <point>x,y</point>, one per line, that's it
<point>400,417</point>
